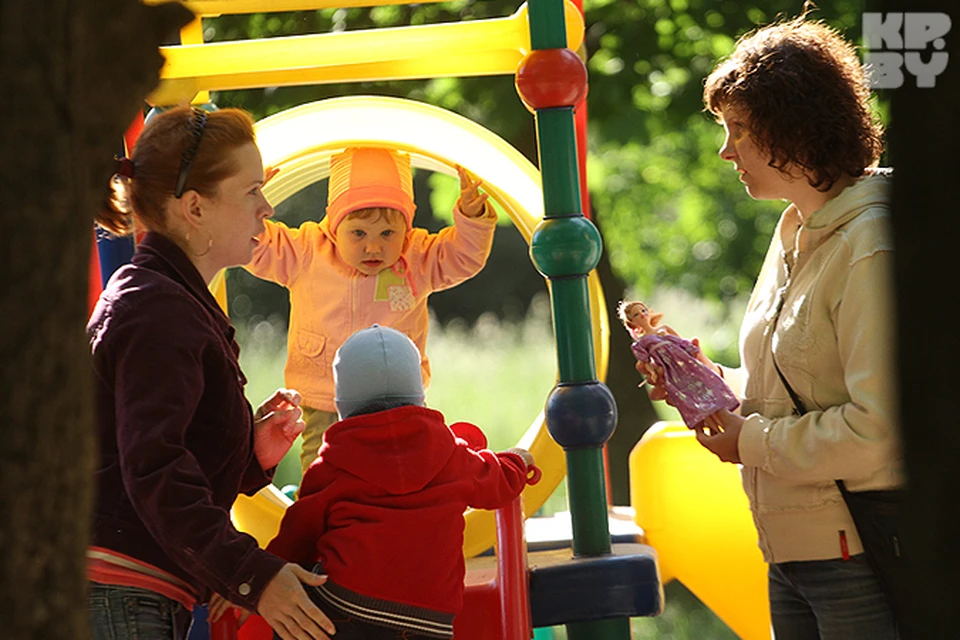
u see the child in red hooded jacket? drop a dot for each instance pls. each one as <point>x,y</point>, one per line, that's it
<point>381,509</point>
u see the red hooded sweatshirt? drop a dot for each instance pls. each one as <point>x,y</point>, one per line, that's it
<point>382,506</point>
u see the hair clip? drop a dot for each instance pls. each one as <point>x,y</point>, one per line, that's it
<point>124,166</point>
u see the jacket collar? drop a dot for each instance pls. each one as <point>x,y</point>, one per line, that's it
<point>159,253</point>
<point>868,191</point>
<point>799,240</point>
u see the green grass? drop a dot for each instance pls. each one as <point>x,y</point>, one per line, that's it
<point>495,375</point>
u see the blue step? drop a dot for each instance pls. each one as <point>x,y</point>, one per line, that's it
<point>623,584</point>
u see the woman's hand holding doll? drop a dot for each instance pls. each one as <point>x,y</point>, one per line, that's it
<point>722,435</point>
<point>676,369</point>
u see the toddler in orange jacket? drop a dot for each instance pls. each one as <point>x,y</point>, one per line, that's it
<point>365,263</point>
<point>381,509</point>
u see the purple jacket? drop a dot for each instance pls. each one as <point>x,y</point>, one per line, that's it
<point>175,429</point>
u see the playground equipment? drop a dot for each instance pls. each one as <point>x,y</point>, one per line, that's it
<point>479,47</point>
<point>299,143</point>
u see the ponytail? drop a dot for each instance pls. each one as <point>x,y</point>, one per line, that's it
<point>143,184</point>
<point>116,213</point>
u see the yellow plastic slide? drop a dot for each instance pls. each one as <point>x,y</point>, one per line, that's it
<point>694,512</point>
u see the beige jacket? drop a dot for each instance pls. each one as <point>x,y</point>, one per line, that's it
<point>330,300</point>
<point>834,344</point>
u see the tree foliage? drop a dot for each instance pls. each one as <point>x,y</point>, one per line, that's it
<point>673,212</point>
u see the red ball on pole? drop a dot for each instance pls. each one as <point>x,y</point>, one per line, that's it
<point>549,78</point>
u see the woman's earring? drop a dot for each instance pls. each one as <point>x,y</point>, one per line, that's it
<point>205,252</point>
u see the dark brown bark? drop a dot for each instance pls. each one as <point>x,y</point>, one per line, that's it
<point>923,142</point>
<point>73,73</point>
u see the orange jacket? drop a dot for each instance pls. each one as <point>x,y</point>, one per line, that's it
<point>329,300</point>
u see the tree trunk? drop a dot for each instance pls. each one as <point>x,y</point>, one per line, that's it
<point>924,139</point>
<point>74,72</point>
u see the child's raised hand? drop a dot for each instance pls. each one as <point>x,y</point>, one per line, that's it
<point>269,173</point>
<point>472,200</point>
<point>524,454</point>
<point>533,471</point>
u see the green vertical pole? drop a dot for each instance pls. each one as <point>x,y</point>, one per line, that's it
<point>565,247</point>
<point>588,501</point>
<point>548,28</point>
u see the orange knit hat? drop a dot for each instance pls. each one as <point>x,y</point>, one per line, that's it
<point>364,177</point>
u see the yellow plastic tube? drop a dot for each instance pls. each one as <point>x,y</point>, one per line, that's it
<point>211,8</point>
<point>476,47</point>
<point>693,511</point>
<point>300,141</point>
<point>259,515</point>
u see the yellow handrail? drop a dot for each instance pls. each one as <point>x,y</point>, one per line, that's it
<point>213,8</point>
<point>478,47</point>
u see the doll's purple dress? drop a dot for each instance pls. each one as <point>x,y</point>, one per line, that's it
<point>691,386</point>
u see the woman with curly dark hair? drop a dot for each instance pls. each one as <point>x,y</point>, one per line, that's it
<point>816,383</point>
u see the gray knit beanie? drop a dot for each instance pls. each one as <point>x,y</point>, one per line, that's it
<point>376,367</point>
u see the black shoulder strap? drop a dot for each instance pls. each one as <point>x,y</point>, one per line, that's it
<point>797,402</point>
<point>798,405</point>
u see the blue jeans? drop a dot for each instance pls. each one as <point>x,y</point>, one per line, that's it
<point>829,600</point>
<point>130,613</point>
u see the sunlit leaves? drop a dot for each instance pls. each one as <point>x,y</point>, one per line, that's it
<point>674,214</point>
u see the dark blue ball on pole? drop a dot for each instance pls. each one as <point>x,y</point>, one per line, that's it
<point>581,415</point>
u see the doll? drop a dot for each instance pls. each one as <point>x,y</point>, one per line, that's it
<point>692,387</point>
